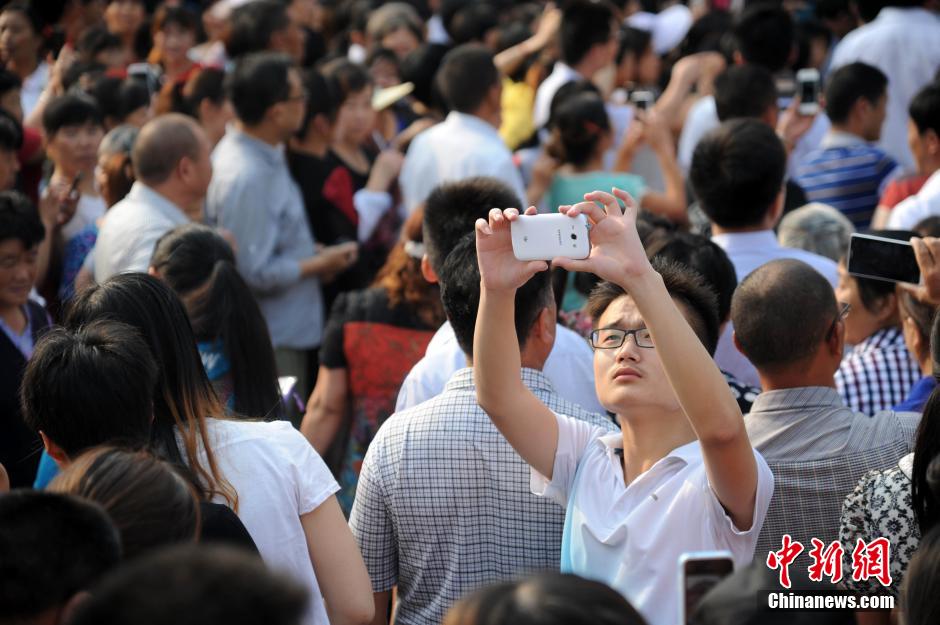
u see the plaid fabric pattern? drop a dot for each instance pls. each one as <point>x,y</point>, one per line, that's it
<point>818,449</point>
<point>443,504</point>
<point>878,373</point>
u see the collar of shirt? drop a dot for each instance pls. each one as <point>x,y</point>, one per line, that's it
<point>904,15</point>
<point>145,195</point>
<point>535,380</point>
<point>23,342</point>
<point>839,139</point>
<point>472,123</point>
<point>804,397</point>
<point>270,153</point>
<point>886,337</point>
<point>613,443</point>
<point>758,241</point>
<point>565,72</point>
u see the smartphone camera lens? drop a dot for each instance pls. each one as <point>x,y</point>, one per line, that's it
<point>573,236</point>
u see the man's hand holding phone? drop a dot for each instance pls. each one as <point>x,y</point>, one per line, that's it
<point>927,252</point>
<point>500,270</point>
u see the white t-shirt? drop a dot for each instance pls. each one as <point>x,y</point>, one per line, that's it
<point>88,210</point>
<point>278,477</point>
<point>631,537</point>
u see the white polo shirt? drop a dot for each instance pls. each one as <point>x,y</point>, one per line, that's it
<point>631,537</point>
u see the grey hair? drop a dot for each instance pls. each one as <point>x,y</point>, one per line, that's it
<point>119,140</point>
<point>817,228</point>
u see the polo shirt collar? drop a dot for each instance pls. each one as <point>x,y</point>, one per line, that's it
<point>802,398</point>
<point>462,380</point>
<point>145,195</point>
<point>760,240</point>
<point>688,453</point>
<point>840,139</point>
<point>270,152</point>
<point>472,122</point>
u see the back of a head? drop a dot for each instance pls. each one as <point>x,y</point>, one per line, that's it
<point>460,293</point>
<point>705,257</point>
<point>161,144</point>
<point>322,99</point>
<point>849,83</point>
<point>195,585</point>
<point>252,25</point>
<point>52,546</point>
<point>90,386</point>
<point>737,172</point>
<point>258,82</point>
<point>578,126</point>
<point>781,313</point>
<point>151,504</point>
<point>185,96</point>
<point>545,599</point>
<point>584,24</point>
<point>466,75</point>
<point>763,34</point>
<point>744,91</point>
<point>472,22</point>
<point>453,208</point>
<point>925,109</point>
<point>199,265</point>
<point>817,228</point>
<point>919,598</point>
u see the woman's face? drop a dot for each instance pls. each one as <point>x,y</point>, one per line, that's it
<point>356,119</point>
<point>74,149</point>
<point>384,73</point>
<point>401,41</point>
<point>630,377</point>
<point>175,41</point>
<point>18,41</point>
<point>125,17</point>
<point>860,323</point>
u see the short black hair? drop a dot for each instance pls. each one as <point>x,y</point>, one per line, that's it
<point>460,294</point>
<point>737,172</point>
<point>117,97</point>
<point>11,133</point>
<point>347,78</point>
<point>697,301</point>
<point>782,312</point>
<point>471,22</point>
<point>925,109</point>
<point>195,585</point>
<point>322,99</point>
<point>259,81</point>
<point>764,35</point>
<point>849,83</point>
<point>51,547</point>
<point>420,67</point>
<point>90,386</point>
<point>19,219</point>
<point>705,257</point>
<point>71,109</point>
<point>584,24</point>
<point>466,75</point>
<point>453,208</point>
<point>744,91</point>
<point>252,25</point>
<point>9,81</point>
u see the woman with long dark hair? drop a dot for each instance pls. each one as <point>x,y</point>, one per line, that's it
<point>268,472</point>
<point>236,350</point>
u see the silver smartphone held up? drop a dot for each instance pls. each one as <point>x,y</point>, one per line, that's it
<point>807,81</point>
<point>699,572</point>
<point>544,237</point>
<point>643,100</point>
<point>882,258</point>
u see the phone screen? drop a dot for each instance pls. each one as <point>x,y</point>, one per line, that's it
<point>808,91</point>
<point>882,259</point>
<point>700,576</point>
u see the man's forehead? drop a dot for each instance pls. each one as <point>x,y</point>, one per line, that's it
<point>621,311</point>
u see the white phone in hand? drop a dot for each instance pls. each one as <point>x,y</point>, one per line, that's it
<point>544,237</point>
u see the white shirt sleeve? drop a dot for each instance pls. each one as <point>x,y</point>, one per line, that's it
<point>574,436</point>
<point>370,206</point>
<point>742,542</point>
<point>311,478</point>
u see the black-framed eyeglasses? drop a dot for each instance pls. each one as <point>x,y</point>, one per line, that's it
<point>613,338</point>
<point>843,311</point>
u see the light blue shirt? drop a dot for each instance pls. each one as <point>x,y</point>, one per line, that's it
<point>253,195</point>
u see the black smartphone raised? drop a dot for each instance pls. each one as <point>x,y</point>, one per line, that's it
<point>699,572</point>
<point>882,258</point>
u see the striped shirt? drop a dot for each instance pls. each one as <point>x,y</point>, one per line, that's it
<point>848,174</point>
<point>444,505</point>
<point>877,373</point>
<point>818,449</point>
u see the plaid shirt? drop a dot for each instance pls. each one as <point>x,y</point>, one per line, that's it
<point>443,504</point>
<point>818,449</point>
<point>878,373</point>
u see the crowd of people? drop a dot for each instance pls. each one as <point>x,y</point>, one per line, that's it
<point>268,355</point>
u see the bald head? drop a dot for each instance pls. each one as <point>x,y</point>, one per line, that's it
<point>781,313</point>
<point>162,143</point>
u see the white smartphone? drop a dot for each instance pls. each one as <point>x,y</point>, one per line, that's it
<point>643,100</point>
<point>883,258</point>
<point>699,572</point>
<point>544,237</point>
<point>807,81</point>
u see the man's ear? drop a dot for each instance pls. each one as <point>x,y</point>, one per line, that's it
<point>546,324</point>
<point>887,308</point>
<point>55,452</point>
<point>427,271</point>
<point>836,342</point>
<point>737,343</point>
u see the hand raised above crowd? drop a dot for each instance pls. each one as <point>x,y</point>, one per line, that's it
<point>927,251</point>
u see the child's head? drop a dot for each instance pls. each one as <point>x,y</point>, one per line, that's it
<point>627,371</point>
<point>355,118</point>
<point>21,231</point>
<point>74,127</point>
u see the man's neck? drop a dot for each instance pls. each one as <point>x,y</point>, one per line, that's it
<point>181,199</point>
<point>485,115</point>
<point>795,379</point>
<point>847,129</point>
<point>647,439</point>
<point>761,227</point>
<point>262,132</point>
<point>586,68</point>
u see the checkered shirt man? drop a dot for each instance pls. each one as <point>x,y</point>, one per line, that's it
<point>444,506</point>
<point>878,373</point>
